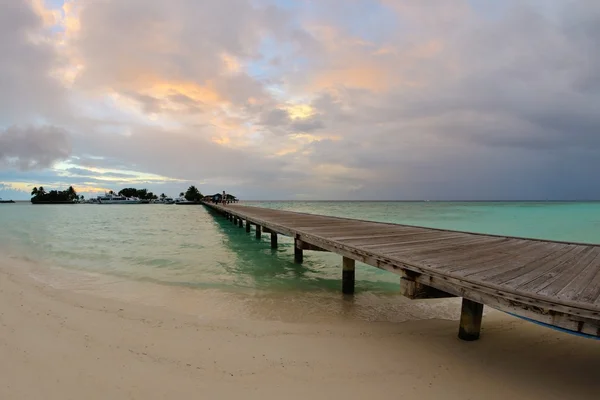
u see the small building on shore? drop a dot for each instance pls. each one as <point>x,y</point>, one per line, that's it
<point>218,198</point>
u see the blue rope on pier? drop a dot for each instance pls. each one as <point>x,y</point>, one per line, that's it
<point>585,335</point>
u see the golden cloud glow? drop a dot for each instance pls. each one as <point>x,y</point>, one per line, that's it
<point>231,63</point>
<point>109,174</point>
<point>85,187</point>
<point>300,111</point>
<point>49,17</point>
<point>71,22</point>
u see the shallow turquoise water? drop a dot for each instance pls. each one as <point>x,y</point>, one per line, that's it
<point>189,246</point>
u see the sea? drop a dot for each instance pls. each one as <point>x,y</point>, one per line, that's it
<point>192,248</point>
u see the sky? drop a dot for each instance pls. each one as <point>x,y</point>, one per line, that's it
<point>302,100</point>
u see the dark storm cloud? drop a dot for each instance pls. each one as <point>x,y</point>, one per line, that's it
<point>33,147</point>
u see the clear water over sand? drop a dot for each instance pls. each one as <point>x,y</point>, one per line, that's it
<point>190,247</point>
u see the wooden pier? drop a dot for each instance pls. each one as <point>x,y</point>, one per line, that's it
<point>555,283</point>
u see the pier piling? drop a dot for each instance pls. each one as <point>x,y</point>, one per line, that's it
<point>470,320</point>
<point>347,275</point>
<point>240,223</point>
<point>258,231</point>
<point>273,240</point>
<point>247,226</point>
<point>298,252</point>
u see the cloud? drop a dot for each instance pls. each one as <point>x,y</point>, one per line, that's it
<point>430,99</point>
<point>33,147</point>
<point>28,88</point>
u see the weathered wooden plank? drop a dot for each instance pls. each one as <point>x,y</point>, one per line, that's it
<point>360,235</point>
<point>513,263</point>
<point>468,252</point>
<point>591,291</point>
<point>496,265</point>
<point>431,255</point>
<point>577,262</point>
<point>550,258</point>
<point>416,240</point>
<point>333,228</point>
<point>578,283</point>
<point>428,250</point>
<point>474,257</point>
<point>522,278</point>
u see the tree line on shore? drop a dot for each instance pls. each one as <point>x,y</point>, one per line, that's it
<point>142,194</point>
<point>40,195</point>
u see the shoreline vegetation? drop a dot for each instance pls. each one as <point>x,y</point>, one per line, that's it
<point>69,196</point>
<point>41,196</point>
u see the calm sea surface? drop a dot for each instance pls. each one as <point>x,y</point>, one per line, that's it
<point>188,246</point>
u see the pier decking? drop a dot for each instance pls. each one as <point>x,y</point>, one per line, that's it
<point>555,283</point>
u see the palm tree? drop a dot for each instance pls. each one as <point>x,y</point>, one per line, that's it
<point>41,191</point>
<point>34,192</point>
<point>71,193</point>
<point>193,194</point>
<point>162,196</point>
<point>181,194</point>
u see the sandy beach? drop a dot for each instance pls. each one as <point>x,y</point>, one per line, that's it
<point>78,342</point>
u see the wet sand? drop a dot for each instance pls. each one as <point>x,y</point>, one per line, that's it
<point>147,341</point>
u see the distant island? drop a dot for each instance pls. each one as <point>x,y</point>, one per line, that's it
<point>41,196</point>
<point>124,196</point>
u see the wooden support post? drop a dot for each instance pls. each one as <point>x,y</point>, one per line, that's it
<point>247,226</point>
<point>412,289</point>
<point>470,320</point>
<point>298,252</point>
<point>240,223</point>
<point>307,246</point>
<point>273,240</point>
<point>258,231</point>
<point>347,275</point>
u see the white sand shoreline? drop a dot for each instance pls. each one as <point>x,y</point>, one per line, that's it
<point>59,342</point>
